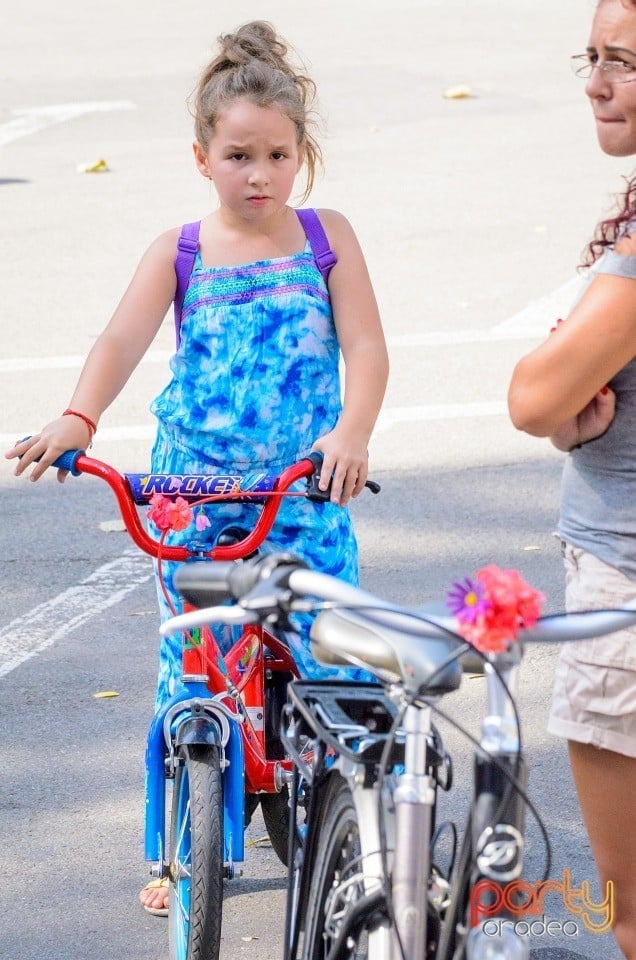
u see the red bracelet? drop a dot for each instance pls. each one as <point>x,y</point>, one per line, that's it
<point>92,426</point>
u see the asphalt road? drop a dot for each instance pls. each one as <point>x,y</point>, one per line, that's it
<point>472,213</point>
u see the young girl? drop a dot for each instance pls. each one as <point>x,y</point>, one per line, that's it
<point>255,379</point>
<point>579,388</point>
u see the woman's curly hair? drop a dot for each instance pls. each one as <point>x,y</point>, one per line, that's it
<point>609,230</point>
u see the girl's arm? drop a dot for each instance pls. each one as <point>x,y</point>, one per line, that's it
<point>111,361</point>
<point>559,390</point>
<point>361,339</point>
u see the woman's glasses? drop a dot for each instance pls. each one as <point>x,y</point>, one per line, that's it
<point>614,71</point>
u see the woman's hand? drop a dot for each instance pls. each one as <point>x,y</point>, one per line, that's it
<point>590,423</point>
<point>345,458</point>
<point>65,433</point>
<point>559,385</point>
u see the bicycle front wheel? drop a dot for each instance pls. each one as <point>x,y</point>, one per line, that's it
<point>337,883</point>
<point>196,855</point>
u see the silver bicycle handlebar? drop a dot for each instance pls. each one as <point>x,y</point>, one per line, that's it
<point>306,584</point>
<point>361,629</point>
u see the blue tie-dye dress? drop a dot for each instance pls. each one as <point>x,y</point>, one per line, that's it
<point>255,382</point>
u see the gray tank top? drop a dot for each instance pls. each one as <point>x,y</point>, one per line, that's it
<point>598,491</point>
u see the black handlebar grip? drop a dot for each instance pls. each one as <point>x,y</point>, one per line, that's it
<point>205,584</point>
<point>313,491</point>
<point>323,496</point>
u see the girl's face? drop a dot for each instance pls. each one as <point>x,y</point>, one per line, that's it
<point>253,158</point>
<point>613,37</point>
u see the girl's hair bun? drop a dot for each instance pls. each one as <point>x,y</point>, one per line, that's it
<point>253,41</point>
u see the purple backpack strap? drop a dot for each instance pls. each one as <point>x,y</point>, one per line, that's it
<point>187,246</point>
<point>323,254</point>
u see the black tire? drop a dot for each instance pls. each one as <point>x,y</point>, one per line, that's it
<point>336,860</point>
<point>275,807</point>
<point>251,804</point>
<point>196,856</point>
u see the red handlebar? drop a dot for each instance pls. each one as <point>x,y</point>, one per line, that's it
<point>236,551</point>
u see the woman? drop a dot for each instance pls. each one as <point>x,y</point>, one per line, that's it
<point>579,389</point>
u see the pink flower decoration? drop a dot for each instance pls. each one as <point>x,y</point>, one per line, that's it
<point>180,513</point>
<point>157,512</point>
<point>168,514</point>
<point>201,522</point>
<point>491,611</point>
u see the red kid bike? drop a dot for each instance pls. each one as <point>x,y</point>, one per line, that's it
<point>216,741</point>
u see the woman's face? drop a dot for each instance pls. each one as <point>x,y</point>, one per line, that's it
<point>613,37</point>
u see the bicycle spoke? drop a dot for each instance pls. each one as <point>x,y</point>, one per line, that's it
<point>185,820</point>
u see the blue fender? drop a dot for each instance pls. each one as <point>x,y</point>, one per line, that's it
<point>193,729</point>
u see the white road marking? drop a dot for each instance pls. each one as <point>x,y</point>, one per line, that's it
<point>28,120</point>
<point>35,364</point>
<point>389,416</point>
<point>30,634</point>
<point>142,431</point>
<point>434,338</point>
<point>27,636</point>
<point>531,323</point>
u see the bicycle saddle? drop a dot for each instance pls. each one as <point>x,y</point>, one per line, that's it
<point>420,662</point>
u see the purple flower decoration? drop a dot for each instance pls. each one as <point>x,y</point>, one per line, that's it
<point>467,600</point>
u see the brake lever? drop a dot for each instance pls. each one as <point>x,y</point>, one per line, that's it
<point>323,496</point>
<point>270,598</point>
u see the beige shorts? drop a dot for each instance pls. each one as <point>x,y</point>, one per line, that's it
<point>594,697</point>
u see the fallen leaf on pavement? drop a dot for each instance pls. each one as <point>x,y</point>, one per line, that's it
<point>97,166</point>
<point>256,841</point>
<point>459,92</point>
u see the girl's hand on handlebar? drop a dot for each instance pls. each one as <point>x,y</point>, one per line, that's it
<point>65,433</point>
<point>346,461</point>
